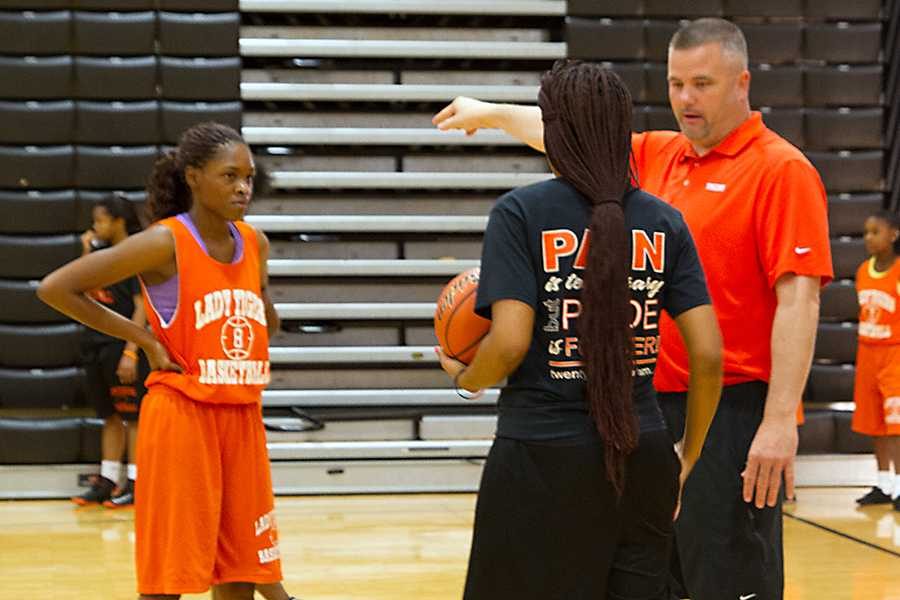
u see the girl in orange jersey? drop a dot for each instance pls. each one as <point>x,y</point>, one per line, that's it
<point>877,389</point>
<point>204,511</point>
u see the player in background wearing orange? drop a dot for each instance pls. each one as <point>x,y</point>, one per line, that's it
<point>757,211</point>
<point>114,371</point>
<point>877,389</point>
<point>204,511</point>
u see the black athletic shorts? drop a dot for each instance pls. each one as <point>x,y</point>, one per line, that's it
<point>102,387</point>
<point>727,548</point>
<point>548,525</point>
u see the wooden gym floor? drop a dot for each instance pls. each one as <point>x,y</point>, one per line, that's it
<point>410,547</point>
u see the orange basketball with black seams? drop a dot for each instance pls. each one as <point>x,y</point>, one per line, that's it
<point>458,329</point>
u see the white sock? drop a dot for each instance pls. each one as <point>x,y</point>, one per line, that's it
<point>886,482</point>
<point>111,469</point>
<point>896,486</point>
<point>132,471</point>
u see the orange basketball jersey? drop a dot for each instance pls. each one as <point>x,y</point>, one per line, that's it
<point>879,297</point>
<point>218,332</point>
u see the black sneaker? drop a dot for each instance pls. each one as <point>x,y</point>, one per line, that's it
<point>896,503</point>
<point>124,498</point>
<point>875,496</point>
<point>101,491</point>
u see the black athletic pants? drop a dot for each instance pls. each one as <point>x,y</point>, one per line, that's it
<point>727,549</point>
<point>548,525</point>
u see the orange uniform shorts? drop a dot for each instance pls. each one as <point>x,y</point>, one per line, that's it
<point>203,501</point>
<point>877,390</point>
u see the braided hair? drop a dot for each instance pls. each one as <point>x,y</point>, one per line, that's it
<point>587,135</point>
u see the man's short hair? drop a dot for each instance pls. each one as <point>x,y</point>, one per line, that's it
<point>711,30</point>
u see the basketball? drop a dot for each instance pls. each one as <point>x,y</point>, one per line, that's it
<point>458,329</point>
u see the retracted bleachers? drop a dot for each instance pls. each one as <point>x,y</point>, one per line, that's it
<point>817,75</point>
<point>371,210</point>
<point>38,349</point>
<point>87,102</point>
<point>338,98</point>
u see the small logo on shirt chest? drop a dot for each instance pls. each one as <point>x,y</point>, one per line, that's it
<point>712,186</point>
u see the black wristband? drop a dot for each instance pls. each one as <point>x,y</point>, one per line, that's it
<point>465,394</point>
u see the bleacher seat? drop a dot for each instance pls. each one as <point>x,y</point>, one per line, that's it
<point>118,122</point>
<point>836,343</point>
<point>31,256</point>
<point>843,10</point>
<point>787,122</point>
<point>683,8</point>
<point>307,246</point>
<point>842,85</point>
<point>604,39</point>
<point>35,122</point>
<point>638,120</point>
<point>40,441</point>
<point>847,254</point>
<point>843,42</point>
<point>91,431</point>
<point>847,212</point>
<point>203,79</point>
<point>773,43</point>
<point>817,435</point>
<point>178,116</point>
<point>849,171</point>
<point>39,167</point>
<point>40,345</point>
<point>115,78</point>
<point>35,33</point>
<point>656,84</point>
<point>198,34</point>
<point>845,128</point>
<point>830,383</point>
<point>657,35</point>
<point>609,8</point>
<point>848,441</point>
<point>35,78</point>
<point>199,5</point>
<point>838,302</point>
<point>21,304</point>
<point>114,167</point>
<point>115,33</point>
<point>37,4</point>
<point>116,5</point>
<point>40,388</point>
<point>34,211</point>
<point>333,333</point>
<point>659,117</point>
<point>776,86</point>
<point>633,75</point>
<point>763,8</point>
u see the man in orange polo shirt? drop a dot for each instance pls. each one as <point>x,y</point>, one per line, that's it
<point>757,211</point>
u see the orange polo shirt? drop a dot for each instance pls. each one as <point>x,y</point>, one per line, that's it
<point>757,210</point>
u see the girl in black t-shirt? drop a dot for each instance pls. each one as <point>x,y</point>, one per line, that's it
<point>114,370</point>
<point>581,486</point>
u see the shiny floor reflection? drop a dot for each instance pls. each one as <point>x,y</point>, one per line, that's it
<point>411,547</point>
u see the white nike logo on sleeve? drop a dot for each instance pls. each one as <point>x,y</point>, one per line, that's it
<point>747,597</point>
<point>800,250</point>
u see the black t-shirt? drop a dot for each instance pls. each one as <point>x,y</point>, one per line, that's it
<point>118,297</point>
<point>534,252</point>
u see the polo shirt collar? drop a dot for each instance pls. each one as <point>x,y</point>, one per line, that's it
<point>736,141</point>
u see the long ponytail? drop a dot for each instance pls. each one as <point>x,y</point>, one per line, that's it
<point>587,135</point>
